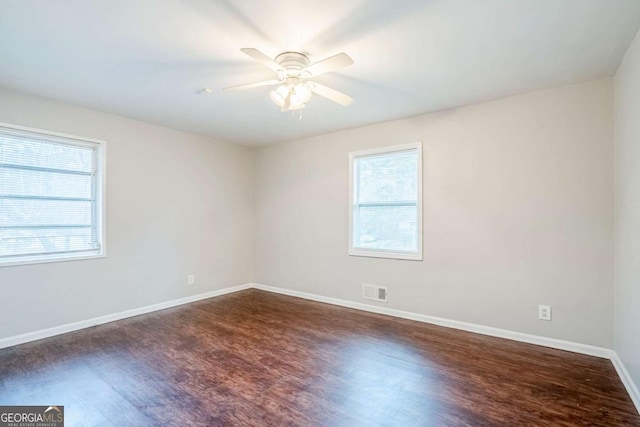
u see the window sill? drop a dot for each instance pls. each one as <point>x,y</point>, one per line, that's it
<point>388,255</point>
<point>48,259</point>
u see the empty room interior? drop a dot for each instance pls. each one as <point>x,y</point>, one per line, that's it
<point>319,213</point>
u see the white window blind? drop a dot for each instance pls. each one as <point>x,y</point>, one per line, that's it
<point>49,197</point>
<point>386,202</point>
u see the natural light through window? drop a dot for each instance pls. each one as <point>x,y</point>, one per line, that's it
<point>50,197</point>
<point>386,202</point>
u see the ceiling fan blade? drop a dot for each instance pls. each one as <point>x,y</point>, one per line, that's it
<point>331,94</point>
<point>330,64</point>
<point>252,85</point>
<point>262,58</point>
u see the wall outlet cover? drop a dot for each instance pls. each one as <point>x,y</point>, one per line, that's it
<point>544,312</point>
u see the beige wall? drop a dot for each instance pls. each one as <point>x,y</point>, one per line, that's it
<point>518,211</point>
<point>627,284</point>
<point>177,204</point>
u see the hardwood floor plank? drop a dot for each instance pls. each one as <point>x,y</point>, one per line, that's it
<point>259,359</point>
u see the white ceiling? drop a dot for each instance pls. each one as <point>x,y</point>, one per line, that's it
<point>146,59</point>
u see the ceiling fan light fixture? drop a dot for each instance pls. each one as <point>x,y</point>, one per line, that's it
<point>279,95</point>
<point>300,95</point>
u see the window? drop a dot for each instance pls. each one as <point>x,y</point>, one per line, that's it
<point>50,196</point>
<point>386,202</point>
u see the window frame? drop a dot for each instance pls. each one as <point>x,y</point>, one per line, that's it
<point>100,147</point>
<point>379,253</point>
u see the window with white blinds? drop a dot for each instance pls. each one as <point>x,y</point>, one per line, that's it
<point>50,197</point>
<point>386,202</point>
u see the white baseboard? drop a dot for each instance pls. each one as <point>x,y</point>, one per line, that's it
<point>70,327</point>
<point>470,327</point>
<point>626,379</point>
<point>455,324</point>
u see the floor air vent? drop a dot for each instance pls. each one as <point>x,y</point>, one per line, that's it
<point>374,292</point>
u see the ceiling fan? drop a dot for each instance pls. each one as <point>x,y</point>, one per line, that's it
<point>294,78</point>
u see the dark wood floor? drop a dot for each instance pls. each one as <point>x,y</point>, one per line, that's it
<point>260,359</point>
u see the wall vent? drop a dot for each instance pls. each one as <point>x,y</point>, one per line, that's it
<point>374,292</point>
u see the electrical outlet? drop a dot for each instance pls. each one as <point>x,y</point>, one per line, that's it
<point>191,279</point>
<point>544,312</point>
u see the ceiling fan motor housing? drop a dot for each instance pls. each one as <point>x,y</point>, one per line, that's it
<point>292,62</point>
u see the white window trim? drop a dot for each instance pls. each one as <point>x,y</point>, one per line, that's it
<point>377,253</point>
<point>101,178</point>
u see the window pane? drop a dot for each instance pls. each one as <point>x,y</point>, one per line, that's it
<point>387,177</point>
<point>33,152</point>
<point>43,240</point>
<point>24,212</point>
<point>21,182</point>
<point>387,228</point>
